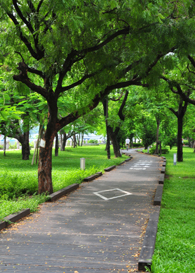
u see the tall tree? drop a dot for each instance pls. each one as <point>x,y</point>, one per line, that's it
<point>83,49</point>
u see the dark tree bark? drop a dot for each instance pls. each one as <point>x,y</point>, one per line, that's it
<point>45,167</point>
<point>64,141</point>
<point>25,146</point>
<point>105,106</point>
<point>180,115</point>
<point>113,135</point>
<point>179,138</point>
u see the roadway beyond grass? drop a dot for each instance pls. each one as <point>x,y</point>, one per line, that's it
<point>175,242</point>
<point>19,182</point>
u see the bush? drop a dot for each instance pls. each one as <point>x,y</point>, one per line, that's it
<point>185,142</point>
<point>93,141</point>
<point>137,145</point>
<point>1,147</point>
<point>163,150</point>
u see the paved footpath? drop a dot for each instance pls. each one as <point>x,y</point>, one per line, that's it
<point>98,228</point>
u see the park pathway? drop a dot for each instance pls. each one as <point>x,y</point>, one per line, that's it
<point>98,228</point>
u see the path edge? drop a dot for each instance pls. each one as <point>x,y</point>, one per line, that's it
<point>148,246</point>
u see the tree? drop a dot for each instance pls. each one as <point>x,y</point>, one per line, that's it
<point>102,47</point>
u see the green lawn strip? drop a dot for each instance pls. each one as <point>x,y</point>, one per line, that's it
<point>18,178</point>
<point>175,242</point>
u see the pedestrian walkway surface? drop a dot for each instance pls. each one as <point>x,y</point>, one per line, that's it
<point>97,228</point>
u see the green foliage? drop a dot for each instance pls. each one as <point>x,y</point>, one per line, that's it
<point>148,136</point>
<point>137,145</point>
<point>164,150</point>
<point>185,142</point>
<point>174,249</point>
<point>92,141</point>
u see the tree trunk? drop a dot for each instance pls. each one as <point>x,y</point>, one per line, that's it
<point>64,141</point>
<point>113,134</point>
<point>179,138</point>
<point>157,136</point>
<point>4,146</point>
<point>25,146</point>
<point>180,115</point>
<point>82,139</point>
<point>105,106</point>
<point>56,145</point>
<point>61,141</point>
<point>74,141</point>
<point>45,167</point>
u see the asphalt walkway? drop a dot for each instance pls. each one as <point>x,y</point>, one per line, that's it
<point>98,228</point>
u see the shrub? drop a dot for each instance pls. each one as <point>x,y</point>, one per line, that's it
<point>137,144</point>
<point>164,150</point>
<point>93,141</point>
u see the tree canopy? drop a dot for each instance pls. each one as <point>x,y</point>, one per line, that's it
<point>82,50</point>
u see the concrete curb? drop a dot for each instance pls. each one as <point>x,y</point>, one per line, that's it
<point>161,178</point>
<point>58,194</point>
<point>158,195</point>
<point>145,258</point>
<point>110,168</point>
<point>92,177</point>
<point>13,218</point>
<point>147,251</point>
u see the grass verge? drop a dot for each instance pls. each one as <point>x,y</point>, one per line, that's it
<point>19,180</point>
<point>175,242</point>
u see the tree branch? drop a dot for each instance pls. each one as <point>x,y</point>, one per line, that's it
<point>39,6</point>
<point>76,83</point>
<point>23,77</point>
<point>28,24</point>
<point>23,38</point>
<point>191,59</point>
<point>120,112</point>
<point>118,98</point>
<point>173,111</point>
<point>123,31</point>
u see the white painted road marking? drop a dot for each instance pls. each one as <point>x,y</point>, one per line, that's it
<point>141,165</point>
<point>106,191</point>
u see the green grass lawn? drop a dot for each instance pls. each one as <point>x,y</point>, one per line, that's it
<point>175,242</point>
<point>19,179</point>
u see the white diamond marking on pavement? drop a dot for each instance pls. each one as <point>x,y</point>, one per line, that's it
<point>125,193</point>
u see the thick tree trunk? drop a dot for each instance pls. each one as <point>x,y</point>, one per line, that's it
<point>45,167</point>
<point>180,115</point>
<point>113,134</point>
<point>25,146</point>
<point>56,145</point>
<point>179,138</point>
